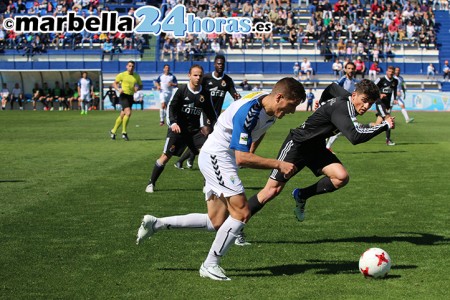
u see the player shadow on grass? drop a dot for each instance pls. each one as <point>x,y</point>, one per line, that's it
<point>12,180</point>
<point>416,238</point>
<point>321,267</point>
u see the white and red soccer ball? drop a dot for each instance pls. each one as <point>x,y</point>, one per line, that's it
<point>375,263</point>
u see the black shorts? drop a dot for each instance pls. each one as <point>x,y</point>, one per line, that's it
<point>313,155</point>
<point>383,108</point>
<point>176,143</point>
<point>126,100</point>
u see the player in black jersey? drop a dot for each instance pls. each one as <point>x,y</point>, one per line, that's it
<point>185,111</point>
<point>389,87</point>
<point>217,84</point>
<point>305,145</point>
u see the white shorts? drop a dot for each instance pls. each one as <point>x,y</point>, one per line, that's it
<point>164,97</point>
<point>220,173</point>
<point>85,97</point>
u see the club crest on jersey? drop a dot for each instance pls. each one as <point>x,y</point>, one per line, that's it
<point>223,83</point>
<point>232,178</point>
<point>243,139</point>
<point>202,99</point>
<point>172,149</point>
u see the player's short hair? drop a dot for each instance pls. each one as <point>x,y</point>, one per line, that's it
<point>132,62</point>
<point>350,63</point>
<point>368,88</point>
<point>290,88</point>
<point>391,68</point>
<point>195,66</point>
<point>219,56</point>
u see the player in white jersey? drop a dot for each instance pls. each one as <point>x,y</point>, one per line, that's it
<point>138,96</point>
<point>85,92</point>
<point>165,84</point>
<point>401,95</point>
<point>4,95</point>
<point>237,130</point>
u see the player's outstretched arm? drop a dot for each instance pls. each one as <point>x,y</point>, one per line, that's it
<point>251,160</point>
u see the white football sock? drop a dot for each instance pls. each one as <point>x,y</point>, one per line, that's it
<point>332,139</point>
<point>193,221</point>
<point>162,114</point>
<point>405,114</point>
<point>224,239</point>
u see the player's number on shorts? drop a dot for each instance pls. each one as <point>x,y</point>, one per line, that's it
<point>173,23</point>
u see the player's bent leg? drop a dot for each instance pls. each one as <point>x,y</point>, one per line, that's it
<point>217,211</point>
<point>337,174</point>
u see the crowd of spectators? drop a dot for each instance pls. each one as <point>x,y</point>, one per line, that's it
<point>30,44</point>
<point>350,28</point>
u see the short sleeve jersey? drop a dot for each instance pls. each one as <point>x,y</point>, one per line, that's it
<point>85,85</point>
<point>128,81</point>
<point>164,80</point>
<point>242,123</point>
<point>218,88</point>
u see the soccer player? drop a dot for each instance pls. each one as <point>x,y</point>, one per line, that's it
<point>58,94</point>
<point>305,145</point>
<point>112,95</point>
<point>138,97</point>
<point>127,80</point>
<point>227,147</point>
<point>38,96</point>
<point>68,95</point>
<point>388,86</point>
<point>348,82</point>
<point>85,92</point>
<point>401,95</point>
<point>165,84</point>
<point>185,111</point>
<point>217,84</point>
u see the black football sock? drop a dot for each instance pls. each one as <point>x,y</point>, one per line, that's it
<point>388,134</point>
<point>157,170</point>
<point>324,185</point>
<point>191,157</point>
<point>185,156</point>
<point>254,205</point>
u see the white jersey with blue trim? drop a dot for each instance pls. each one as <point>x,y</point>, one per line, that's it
<point>85,86</point>
<point>164,81</point>
<point>242,123</point>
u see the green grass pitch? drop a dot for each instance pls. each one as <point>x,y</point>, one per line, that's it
<point>71,201</point>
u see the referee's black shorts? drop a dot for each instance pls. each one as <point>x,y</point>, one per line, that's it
<point>311,154</point>
<point>126,100</point>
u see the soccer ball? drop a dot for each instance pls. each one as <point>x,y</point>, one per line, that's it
<point>375,263</point>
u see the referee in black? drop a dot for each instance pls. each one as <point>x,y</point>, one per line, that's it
<point>388,86</point>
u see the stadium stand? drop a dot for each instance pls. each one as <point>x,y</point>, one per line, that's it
<point>320,32</point>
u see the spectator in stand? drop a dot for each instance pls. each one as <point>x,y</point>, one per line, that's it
<point>296,69</point>
<point>17,95</point>
<point>360,67</point>
<point>310,98</point>
<point>446,71</point>
<point>374,70</point>
<point>245,85</point>
<point>337,68</point>
<point>107,49</point>
<point>305,68</point>
<point>431,72</point>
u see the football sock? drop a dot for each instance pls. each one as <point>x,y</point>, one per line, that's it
<point>324,185</point>
<point>157,170</point>
<point>254,205</point>
<point>388,134</point>
<point>125,123</point>
<point>185,156</point>
<point>192,221</point>
<point>224,239</point>
<point>117,124</point>
<point>405,114</point>
<point>162,114</point>
<point>331,140</point>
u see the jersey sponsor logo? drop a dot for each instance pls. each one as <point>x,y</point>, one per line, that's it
<point>216,92</point>
<point>191,110</point>
<point>243,139</point>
